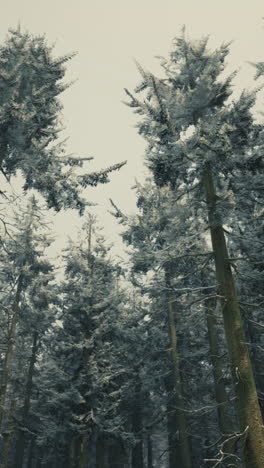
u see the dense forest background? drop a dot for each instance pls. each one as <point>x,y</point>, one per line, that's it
<point>156,361</point>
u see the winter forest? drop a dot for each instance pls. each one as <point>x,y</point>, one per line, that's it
<point>156,361</point>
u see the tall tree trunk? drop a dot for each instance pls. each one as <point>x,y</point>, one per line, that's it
<point>10,346</point>
<point>40,453</point>
<point>248,410</point>
<point>181,421</point>
<point>116,455</point>
<point>224,421</point>
<point>77,452</point>
<point>255,335</point>
<point>8,436</point>
<point>84,452</point>
<point>100,452</point>
<point>31,453</point>
<point>150,452</point>
<point>172,428</point>
<point>137,427</point>
<point>20,446</point>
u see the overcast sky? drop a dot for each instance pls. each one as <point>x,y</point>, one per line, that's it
<point>108,35</point>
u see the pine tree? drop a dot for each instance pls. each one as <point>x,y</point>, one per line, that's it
<point>81,405</point>
<point>27,301</point>
<point>30,83</point>
<point>194,142</point>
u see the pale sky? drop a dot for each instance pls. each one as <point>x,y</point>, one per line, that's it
<point>108,35</point>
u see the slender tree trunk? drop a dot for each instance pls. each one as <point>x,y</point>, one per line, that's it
<point>20,446</point>
<point>10,346</point>
<point>150,452</point>
<point>254,335</point>
<point>137,426</point>
<point>31,453</point>
<point>8,437</point>
<point>181,421</point>
<point>40,452</point>
<point>248,410</point>
<point>221,397</point>
<point>84,452</point>
<point>116,455</point>
<point>172,428</point>
<point>77,452</point>
<point>100,452</point>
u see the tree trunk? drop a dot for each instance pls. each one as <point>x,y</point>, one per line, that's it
<point>40,452</point>
<point>20,446</point>
<point>255,335</point>
<point>31,453</point>
<point>8,436</point>
<point>221,397</point>
<point>84,452</point>
<point>77,452</point>
<point>150,452</point>
<point>172,428</point>
<point>100,452</point>
<point>137,426</point>
<point>248,410</point>
<point>10,346</point>
<point>181,421</point>
<point>116,455</point>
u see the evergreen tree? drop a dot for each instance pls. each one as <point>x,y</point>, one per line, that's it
<point>194,142</point>
<point>30,83</point>
<point>27,302</point>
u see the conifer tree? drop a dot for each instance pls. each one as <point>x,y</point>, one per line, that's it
<point>30,83</point>
<point>158,239</point>
<point>195,140</point>
<point>27,301</point>
<point>86,361</point>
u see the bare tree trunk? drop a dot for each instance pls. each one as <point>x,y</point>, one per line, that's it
<point>20,446</point>
<point>254,335</point>
<point>31,453</point>
<point>10,346</point>
<point>100,452</point>
<point>181,421</point>
<point>77,452</point>
<point>40,452</point>
<point>137,426</point>
<point>172,428</point>
<point>84,452</point>
<point>150,452</point>
<point>116,455</point>
<point>224,421</point>
<point>8,436</point>
<point>248,410</point>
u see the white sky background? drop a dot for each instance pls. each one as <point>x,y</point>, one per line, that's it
<point>107,35</point>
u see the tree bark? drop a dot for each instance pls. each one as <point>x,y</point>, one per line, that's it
<point>254,335</point>
<point>150,452</point>
<point>31,453</point>
<point>20,446</point>
<point>40,452</point>
<point>181,421</point>
<point>172,428</point>
<point>137,426</point>
<point>248,410</point>
<point>100,452</point>
<point>224,421</point>
<point>8,436</point>
<point>84,452</point>
<point>77,452</point>
<point>116,455</point>
<point>10,347</point>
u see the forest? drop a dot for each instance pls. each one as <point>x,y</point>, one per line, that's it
<point>157,361</point>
